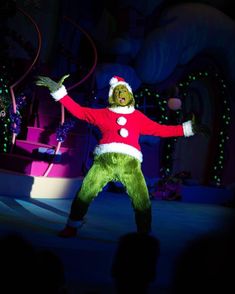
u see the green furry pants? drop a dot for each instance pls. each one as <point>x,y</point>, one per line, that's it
<point>115,167</point>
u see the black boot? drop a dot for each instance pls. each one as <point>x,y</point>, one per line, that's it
<point>76,218</point>
<point>143,220</point>
<point>78,210</point>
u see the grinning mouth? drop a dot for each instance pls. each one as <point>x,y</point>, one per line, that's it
<point>121,100</point>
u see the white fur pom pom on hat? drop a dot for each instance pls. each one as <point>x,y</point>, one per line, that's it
<point>115,81</point>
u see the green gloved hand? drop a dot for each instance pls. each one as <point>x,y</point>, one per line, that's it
<point>49,83</point>
<point>200,128</point>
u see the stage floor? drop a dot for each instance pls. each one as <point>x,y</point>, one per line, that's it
<point>87,258</point>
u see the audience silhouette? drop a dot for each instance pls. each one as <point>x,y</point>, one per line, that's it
<point>206,266</point>
<point>134,264</point>
<point>27,270</point>
<point>51,271</point>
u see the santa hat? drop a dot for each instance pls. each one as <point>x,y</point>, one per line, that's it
<point>115,81</point>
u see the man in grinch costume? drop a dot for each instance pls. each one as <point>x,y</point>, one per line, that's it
<point>117,157</point>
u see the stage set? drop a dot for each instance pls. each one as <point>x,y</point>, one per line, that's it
<point>177,59</point>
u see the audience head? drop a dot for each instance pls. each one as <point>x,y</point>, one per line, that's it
<point>134,265</point>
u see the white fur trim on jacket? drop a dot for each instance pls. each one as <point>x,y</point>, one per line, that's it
<point>59,94</point>
<point>188,129</point>
<point>122,109</point>
<point>119,148</point>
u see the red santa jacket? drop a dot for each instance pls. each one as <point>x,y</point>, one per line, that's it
<point>121,127</point>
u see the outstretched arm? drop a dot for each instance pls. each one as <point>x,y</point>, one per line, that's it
<point>150,127</point>
<point>52,86</point>
<point>186,129</point>
<point>59,93</point>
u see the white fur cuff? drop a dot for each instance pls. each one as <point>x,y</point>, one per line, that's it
<point>59,94</point>
<point>188,129</point>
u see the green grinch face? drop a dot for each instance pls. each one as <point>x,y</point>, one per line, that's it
<point>121,96</point>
